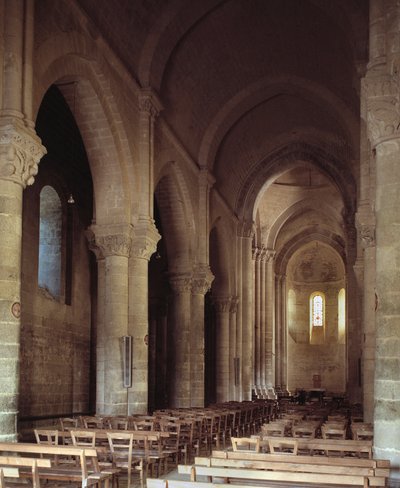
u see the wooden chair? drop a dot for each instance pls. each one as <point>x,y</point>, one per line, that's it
<point>246,444</point>
<point>274,429</point>
<point>121,448</point>
<point>279,446</point>
<point>50,438</point>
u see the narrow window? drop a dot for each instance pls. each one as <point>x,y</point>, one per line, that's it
<point>50,239</point>
<point>317,318</point>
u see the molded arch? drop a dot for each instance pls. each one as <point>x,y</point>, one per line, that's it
<point>89,96</point>
<point>296,209</point>
<point>263,90</point>
<point>312,233</point>
<point>221,259</point>
<point>289,157</point>
<point>177,217</point>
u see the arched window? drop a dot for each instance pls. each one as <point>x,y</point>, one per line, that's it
<point>317,318</point>
<point>342,316</point>
<point>50,241</point>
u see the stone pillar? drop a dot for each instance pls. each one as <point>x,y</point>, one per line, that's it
<point>246,235</point>
<point>145,238</point>
<point>114,241</point>
<point>278,331</point>
<point>201,283</point>
<point>270,334</point>
<point>232,348</point>
<point>257,316</point>
<point>100,314</point>
<point>222,308</point>
<point>149,107</point>
<point>263,297</point>
<point>179,337</point>
<point>20,153</point>
<point>383,115</point>
<point>366,229</point>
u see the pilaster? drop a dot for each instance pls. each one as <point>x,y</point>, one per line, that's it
<point>222,307</point>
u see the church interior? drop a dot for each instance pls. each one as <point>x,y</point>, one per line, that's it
<point>198,204</point>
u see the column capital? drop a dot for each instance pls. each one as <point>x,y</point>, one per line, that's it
<point>145,238</point>
<point>222,304</point>
<point>20,152</point>
<point>149,102</point>
<point>256,253</point>
<point>180,282</point>
<point>110,240</point>
<point>365,224</point>
<point>202,279</point>
<point>234,304</point>
<point>383,107</point>
<point>270,255</point>
<point>245,228</point>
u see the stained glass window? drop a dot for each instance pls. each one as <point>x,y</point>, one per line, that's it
<point>317,311</point>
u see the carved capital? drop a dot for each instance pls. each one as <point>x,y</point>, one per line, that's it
<point>222,304</point>
<point>149,103</point>
<point>145,238</point>
<point>245,229</point>
<point>365,224</point>
<point>383,105</point>
<point>180,282</point>
<point>234,304</point>
<point>256,254</point>
<point>111,240</point>
<point>270,255</point>
<point>202,279</point>
<point>20,153</point>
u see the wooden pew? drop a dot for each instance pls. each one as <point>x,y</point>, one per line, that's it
<point>11,466</point>
<point>379,469</point>
<point>87,473</point>
<point>326,446</point>
<point>311,477</point>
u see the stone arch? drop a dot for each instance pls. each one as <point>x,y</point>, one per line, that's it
<point>262,90</point>
<point>177,218</point>
<point>87,91</point>
<point>312,233</point>
<point>288,157</point>
<point>220,259</point>
<point>296,209</point>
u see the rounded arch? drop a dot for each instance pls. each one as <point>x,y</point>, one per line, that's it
<point>288,157</point>
<point>220,259</point>
<point>177,218</point>
<point>84,85</point>
<point>263,90</point>
<point>312,233</point>
<point>296,209</point>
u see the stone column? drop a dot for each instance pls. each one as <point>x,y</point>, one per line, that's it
<point>114,241</point>
<point>246,235</point>
<point>179,341</point>
<point>201,283</point>
<point>100,314</point>
<point>257,316</point>
<point>278,331</point>
<point>270,334</point>
<point>263,316</point>
<point>366,229</point>
<point>20,153</point>
<point>222,308</point>
<point>144,244</point>
<point>383,115</point>
<point>232,347</point>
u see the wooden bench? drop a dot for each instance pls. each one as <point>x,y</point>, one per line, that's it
<point>326,446</point>
<point>310,474</point>
<point>87,473</point>
<point>371,468</point>
<point>11,465</point>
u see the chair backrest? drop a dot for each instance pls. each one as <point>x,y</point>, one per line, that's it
<point>274,429</point>
<point>143,424</point>
<point>46,436</point>
<point>92,422</point>
<point>119,423</point>
<point>67,423</point>
<point>83,438</point>
<point>245,444</point>
<point>286,446</point>
<point>333,433</point>
<point>303,431</point>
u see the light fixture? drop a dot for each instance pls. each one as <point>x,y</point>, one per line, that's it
<point>71,199</point>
